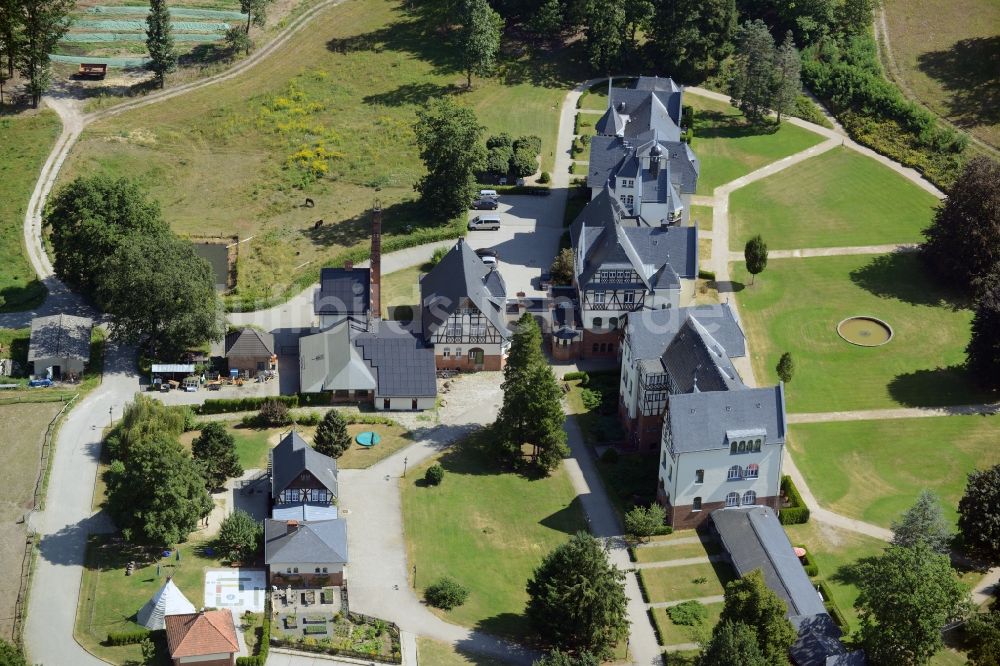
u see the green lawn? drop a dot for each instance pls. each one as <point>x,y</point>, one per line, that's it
<point>728,147</point>
<point>25,142</point>
<point>488,530</point>
<point>239,158</point>
<point>796,305</point>
<point>109,599</point>
<point>839,198</point>
<point>675,634</point>
<point>686,582</point>
<point>401,289</point>
<point>874,470</point>
<point>703,216</point>
<point>445,654</point>
<point>677,551</point>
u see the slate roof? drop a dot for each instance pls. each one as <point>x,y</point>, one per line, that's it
<point>459,275</point>
<point>318,542</point>
<point>197,634</point>
<point>304,511</point>
<point>343,291</point>
<point>652,103</point>
<point>403,365</point>
<point>650,331</point>
<point>329,361</point>
<point>292,456</point>
<point>701,421</point>
<point>611,156</point>
<point>754,539</point>
<point>249,342</point>
<point>695,361</point>
<point>60,336</point>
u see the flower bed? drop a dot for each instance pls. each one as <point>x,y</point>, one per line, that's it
<point>354,635</point>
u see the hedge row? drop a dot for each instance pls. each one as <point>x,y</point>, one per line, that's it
<point>642,587</point>
<point>264,645</point>
<point>516,189</point>
<point>809,564</point>
<point>657,631</point>
<point>831,606</point>
<point>706,275</point>
<point>117,638</point>
<point>577,374</point>
<point>796,512</point>
<point>253,403</point>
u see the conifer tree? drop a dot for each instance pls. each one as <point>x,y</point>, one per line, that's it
<point>160,40</point>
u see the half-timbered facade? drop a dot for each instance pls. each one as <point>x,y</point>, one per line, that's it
<point>463,312</point>
<point>623,265</point>
<point>301,474</point>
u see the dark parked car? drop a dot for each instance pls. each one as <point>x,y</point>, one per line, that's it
<point>485,204</point>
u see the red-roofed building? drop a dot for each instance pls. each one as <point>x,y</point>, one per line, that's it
<point>207,638</point>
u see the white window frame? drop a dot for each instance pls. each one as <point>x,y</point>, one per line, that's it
<point>735,473</point>
<point>752,471</point>
<point>732,499</point>
<point>749,498</point>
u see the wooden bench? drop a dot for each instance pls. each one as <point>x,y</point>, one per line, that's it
<point>93,70</point>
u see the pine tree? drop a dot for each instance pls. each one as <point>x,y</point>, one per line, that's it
<point>752,79</point>
<point>786,367</point>
<point>160,40</point>
<point>923,523</point>
<point>787,77</point>
<point>576,598</point>
<point>979,513</point>
<point>215,449</point>
<point>332,438</point>
<point>755,255</point>
<point>480,38</point>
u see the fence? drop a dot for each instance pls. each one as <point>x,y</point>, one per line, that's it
<point>29,544</point>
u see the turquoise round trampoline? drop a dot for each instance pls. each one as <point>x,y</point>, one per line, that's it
<point>368,438</point>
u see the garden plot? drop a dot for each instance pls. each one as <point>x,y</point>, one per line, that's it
<point>243,589</point>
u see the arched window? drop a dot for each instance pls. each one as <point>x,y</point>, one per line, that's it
<point>749,497</point>
<point>613,322</point>
<point>596,347</point>
<point>733,499</point>
<point>732,447</point>
<point>752,471</point>
<point>735,473</point>
<point>756,446</point>
<point>598,322</point>
<point>743,447</point>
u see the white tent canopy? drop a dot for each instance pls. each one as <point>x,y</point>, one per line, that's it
<point>167,601</point>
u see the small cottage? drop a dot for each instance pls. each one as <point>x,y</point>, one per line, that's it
<point>250,351</point>
<point>60,345</point>
<point>207,638</point>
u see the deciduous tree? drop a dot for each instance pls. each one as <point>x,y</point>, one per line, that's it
<point>479,38</point>
<point>907,595</point>
<point>751,601</point>
<point>786,367</point>
<point>448,137</point>
<point>855,16</point>
<point>562,267</point>
<point>532,405</point>
<point>241,537</point>
<point>256,11</point>
<point>547,21</point>
<point>499,153</point>
<point>733,644</point>
<point>983,351</point>
<point>923,523</point>
<point>693,36</point>
<point>332,438</point>
<point>787,77</point>
<point>755,255</point>
<point>979,513</point>
<point>10,655</point>
<point>215,449</point>
<point>605,28</point>
<point>963,242</point>
<point>560,658</point>
<point>576,598</point>
<point>642,522</point>
<point>983,632</point>
<point>43,23</point>
<point>751,82</point>
<point>10,29</point>
<point>160,40</point>
<point>158,495</point>
<point>638,14</point>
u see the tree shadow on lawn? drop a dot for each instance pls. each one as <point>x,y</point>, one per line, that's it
<point>397,219</point>
<point>938,387</point>
<point>568,520</point>
<point>720,125</point>
<point>904,276</point>
<point>23,297</point>
<point>968,71</point>
<point>416,94</point>
<point>513,625</point>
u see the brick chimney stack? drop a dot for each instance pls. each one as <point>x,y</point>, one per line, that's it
<point>376,262</point>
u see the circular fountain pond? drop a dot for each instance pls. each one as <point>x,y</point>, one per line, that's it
<point>865,331</point>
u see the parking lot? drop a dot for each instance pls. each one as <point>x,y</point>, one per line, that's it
<point>527,241</point>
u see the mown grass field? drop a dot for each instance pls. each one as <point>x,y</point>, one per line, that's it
<point>702,215</point>
<point>839,198</point>
<point>728,147</point>
<point>445,654</point>
<point>668,551</point>
<point>796,304</point>
<point>689,581</point>
<point>874,470</point>
<point>488,530</point>
<point>947,55</point>
<point>675,634</point>
<point>25,142</point>
<point>328,116</point>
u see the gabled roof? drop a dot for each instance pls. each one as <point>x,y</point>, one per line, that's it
<point>292,542</point>
<point>249,342</point>
<point>292,456</point>
<point>612,156</point>
<point>345,291</point>
<point>695,361</point>
<point>652,104</point>
<point>60,336</point>
<point>403,365</point>
<point>199,634</point>
<point>329,361</point>
<point>650,331</point>
<point>459,275</point>
<point>701,421</point>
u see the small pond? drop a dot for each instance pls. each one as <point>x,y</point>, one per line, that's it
<point>865,331</point>
<point>218,256</point>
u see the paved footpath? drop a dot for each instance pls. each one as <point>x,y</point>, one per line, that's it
<point>806,253</point>
<point>898,413</point>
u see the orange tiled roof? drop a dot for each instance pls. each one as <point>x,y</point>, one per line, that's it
<point>194,634</point>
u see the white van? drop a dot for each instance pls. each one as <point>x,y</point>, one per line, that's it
<point>486,221</point>
<point>489,194</point>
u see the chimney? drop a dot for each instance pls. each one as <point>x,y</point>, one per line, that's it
<point>291,526</point>
<point>348,265</point>
<point>376,262</point>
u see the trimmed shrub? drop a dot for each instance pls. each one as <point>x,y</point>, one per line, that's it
<point>808,563</point>
<point>275,413</point>
<point>656,626</point>
<point>434,475</point>
<point>249,404</point>
<point>591,399</point>
<point>446,594</point>
<point>706,275</point>
<point>577,374</point>
<point>688,613</point>
<point>796,513</point>
<point>117,638</point>
<point>642,586</point>
<point>545,177</point>
<point>831,606</point>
